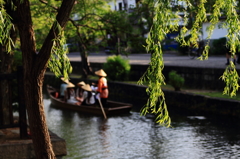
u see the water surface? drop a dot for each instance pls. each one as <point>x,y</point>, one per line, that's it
<point>138,137</point>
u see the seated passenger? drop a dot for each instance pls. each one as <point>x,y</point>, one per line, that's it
<point>94,87</point>
<point>79,91</point>
<point>88,95</point>
<point>94,90</point>
<point>70,94</point>
<point>63,87</point>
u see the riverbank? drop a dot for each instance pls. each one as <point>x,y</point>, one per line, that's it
<point>185,100</point>
<point>12,147</point>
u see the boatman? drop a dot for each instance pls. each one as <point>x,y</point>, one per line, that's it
<point>102,88</point>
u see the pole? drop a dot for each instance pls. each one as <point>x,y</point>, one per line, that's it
<point>104,114</point>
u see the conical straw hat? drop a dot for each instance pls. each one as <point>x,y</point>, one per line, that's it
<point>101,73</point>
<point>65,80</point>
<point>82,83</point>
<point>87,87</point>
<point>70,85</point>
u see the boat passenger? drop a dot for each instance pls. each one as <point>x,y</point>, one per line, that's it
<point>70,94</point>
<point>88,95</point>
<point>94,87</point>
<point>79,91</point>
<point>63,87</point>
<point>102,89</point>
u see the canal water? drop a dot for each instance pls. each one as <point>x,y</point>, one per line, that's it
<point>133,136</point>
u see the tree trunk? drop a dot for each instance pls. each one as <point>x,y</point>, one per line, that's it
<point>118,46</point>
<point>86,69</point>
<point>6,61</point>
<point>5,88</point>
<point>34,66</point>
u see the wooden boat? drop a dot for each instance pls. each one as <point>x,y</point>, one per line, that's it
<point>115,108</point>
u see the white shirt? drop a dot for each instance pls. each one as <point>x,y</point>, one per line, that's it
<point>94,88</point>
<point>72,99</point>
<point>91,100</point>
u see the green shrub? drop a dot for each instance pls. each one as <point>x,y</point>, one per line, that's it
<point>117,68</point>
<point>175,80</point>
<point>219,46</point>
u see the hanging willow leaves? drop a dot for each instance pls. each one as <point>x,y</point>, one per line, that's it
<point>5,28</point>
<point>230,77</point>
<point>165,21</point>
<point>59,62</point>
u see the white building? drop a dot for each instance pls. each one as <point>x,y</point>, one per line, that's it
<point>122,4</point>
<point>218,32</point>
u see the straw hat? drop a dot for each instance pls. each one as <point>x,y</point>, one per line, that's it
<point>87,87</point>
<point>70,85</point>
<point>81,83</point>
<point>101,73</point>
<point>65,80</point>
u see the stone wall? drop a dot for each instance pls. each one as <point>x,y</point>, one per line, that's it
<point>12,147</point>
<point>198,104</point>
<point>199,78</point>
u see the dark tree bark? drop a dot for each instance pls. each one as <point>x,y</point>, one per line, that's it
<point>86,68</point>
<point>34,66</point>
<point>5,89</point>
<point>6,61</point>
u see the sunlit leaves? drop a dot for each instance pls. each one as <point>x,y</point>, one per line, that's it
<point>59,62</point>
<point>43,16</point>
<point>5,28</point>
<point>231,78</point>
<point>165,21</point>
<point>193,14</point>
<point>228,8</point>
<point>232,24</point>
<point>197,25</point>
<point>86,21</point>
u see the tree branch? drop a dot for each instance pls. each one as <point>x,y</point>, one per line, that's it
<point>46,3</point>
<point>62,18</point>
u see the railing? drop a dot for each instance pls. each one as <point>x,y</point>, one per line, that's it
<point>6,110</point>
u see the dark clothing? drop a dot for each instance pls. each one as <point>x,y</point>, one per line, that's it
<point>103,101</point>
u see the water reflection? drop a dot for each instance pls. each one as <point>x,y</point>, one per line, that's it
<point>137,137</point>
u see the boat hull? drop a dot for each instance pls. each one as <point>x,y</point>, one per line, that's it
<point>114,108</point>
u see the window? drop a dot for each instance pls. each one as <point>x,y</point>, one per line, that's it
<point>120,6</point>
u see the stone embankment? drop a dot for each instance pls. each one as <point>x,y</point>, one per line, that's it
<point>197,74</point>
<point>12,147</point>
<point>196,104</point>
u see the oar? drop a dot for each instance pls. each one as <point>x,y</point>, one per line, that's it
<point>104,114</point>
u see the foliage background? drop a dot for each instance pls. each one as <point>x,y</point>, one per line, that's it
<point>117,68</point>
